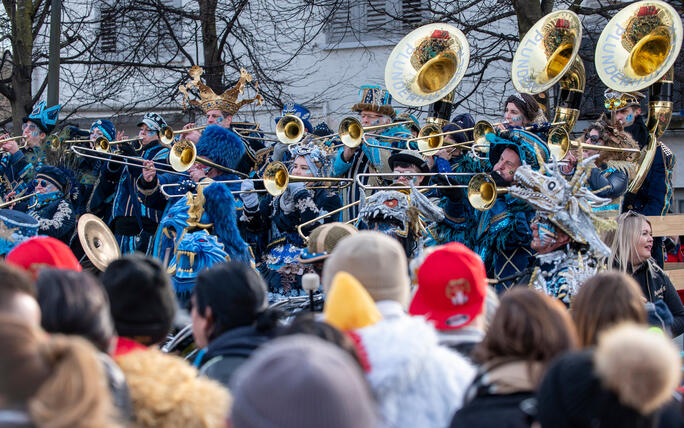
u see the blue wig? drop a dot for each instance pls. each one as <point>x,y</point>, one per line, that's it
<point>220,205</point>
<point>221,145</point>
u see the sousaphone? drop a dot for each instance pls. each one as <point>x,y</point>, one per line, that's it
<point>427,64</point>
<point>637,50</point>
<point>548,54</point>
<point>98,241</point>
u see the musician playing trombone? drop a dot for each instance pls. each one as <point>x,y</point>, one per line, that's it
<point>275,220</point>
<point>374,108</point>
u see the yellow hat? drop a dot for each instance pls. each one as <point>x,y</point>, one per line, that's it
<point>348,306</point>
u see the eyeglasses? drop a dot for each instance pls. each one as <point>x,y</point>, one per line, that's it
<point>594,138</point>
<point>30,126</point>
<point>41,183</point>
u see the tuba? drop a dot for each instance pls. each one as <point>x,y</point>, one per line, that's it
<point>637,50</point>
<point>548,54</point>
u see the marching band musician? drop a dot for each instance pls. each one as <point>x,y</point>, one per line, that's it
<point>19,168</point>
<point>52,206</point>
<point>277,219</point>
<point>133,223</point>
<point>655,194</point>
<point>374,109</point>
<point>502,234</point>
<point>520,111</point>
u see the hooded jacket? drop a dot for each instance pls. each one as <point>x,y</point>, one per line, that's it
<point>417,382</point>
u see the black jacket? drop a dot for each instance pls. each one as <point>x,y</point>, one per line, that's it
<point>228,351</point>
<point>656,285</point>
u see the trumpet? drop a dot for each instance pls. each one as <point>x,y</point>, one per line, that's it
<point>57,143</point>
<point>15,200</point>
<point>21,145</point>
<point>290,129</point>
<point>166,134</point>
<point>351,131</point>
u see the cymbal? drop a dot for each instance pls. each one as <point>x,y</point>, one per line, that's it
<point>98,241</point>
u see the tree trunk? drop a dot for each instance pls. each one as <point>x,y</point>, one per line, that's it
<point>213,67</point>
<point>20,14</point>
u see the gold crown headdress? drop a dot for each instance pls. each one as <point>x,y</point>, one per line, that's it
<point>226,102</point>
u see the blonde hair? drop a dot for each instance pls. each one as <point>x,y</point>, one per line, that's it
<point>59,379</point>
<point>626,239</point>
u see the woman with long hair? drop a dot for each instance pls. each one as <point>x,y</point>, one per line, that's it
<point>631,254</point>
<point>527,332</point>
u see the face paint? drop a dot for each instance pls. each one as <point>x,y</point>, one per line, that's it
<point>547,234</point>
<point>35,133</point>
<point>516,118</point>
<point>375,122</point>
<point>151,133</point>
<point>629,119</point>
<point>219,119</point>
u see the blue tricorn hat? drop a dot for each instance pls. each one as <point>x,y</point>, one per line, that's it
<point>520,141</point>
<point>296,110</point>
<point>221,145</point>
<point>45,118</point>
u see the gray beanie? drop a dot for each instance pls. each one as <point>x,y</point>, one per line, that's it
<point>301,381</point>
<point>377,261</point>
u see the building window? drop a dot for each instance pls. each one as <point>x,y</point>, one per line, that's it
<point>108,30</point>
<point>371,21</point>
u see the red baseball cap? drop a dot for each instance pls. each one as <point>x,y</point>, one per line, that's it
<point>43,251</point>
<point>452,286</point>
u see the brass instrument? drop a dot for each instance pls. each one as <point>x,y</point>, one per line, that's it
<point>636,50</point>
<point>166,134</point>
<point>548,54</point>
<point>427,64</point>
<point>290,129</point>
<point>102,144</point>
<point>276,178</point>
<point>560,140</point>
<point>58,143</point>
<point>96,154</point>
<point>351,131</point>
<point>97,240</point>
<point>16,200</point>
<point>400,187</point>
<point>183,154</point>
<point>21,145</point>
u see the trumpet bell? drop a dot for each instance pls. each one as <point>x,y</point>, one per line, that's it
<point>482,192</point>
<point>290,129</point>
<point>429,143</point>
<point>276,178</point>
<point>558,142</point>
<point>427,64</point>
<point>98,241</point>
<point>638,46</point>
<point>182,155</point>
<point>546,52</point>
<point>166,135</point>
<point>480,131</point>
<point>351,132</point>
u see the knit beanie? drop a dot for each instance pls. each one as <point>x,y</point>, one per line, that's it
<point>234,291</point>
<point>377,261</point>
<point>622,383</point>
<point>141,296</point>
<point>301,381</point>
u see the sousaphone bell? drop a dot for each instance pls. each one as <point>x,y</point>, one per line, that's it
<point>98,241</point>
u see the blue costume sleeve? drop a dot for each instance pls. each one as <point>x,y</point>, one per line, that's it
<point>339,166</point>
<point>610,183</point>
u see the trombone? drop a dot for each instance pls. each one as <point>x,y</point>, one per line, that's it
<point>560,143</point>
<point>482,190</point>
<point>15,200</point>
<point>166,134</point>
<point>102,144</point>
<point>96,154</point>
<point>276,178</point>
<point>183,154</point>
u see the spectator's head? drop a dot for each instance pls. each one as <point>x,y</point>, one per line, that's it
<point>227,296</point>
<point>75,303</point>
<point>141,297</point>
<point>603,301</point>
<point>40,252</point>
<point>18,294</point>
<point>322,241</point>
<point>452,286</point>
<point>632,242</point>
<point>528,326</point>
<point>377,261</point>
<point>317,385</point>
<point>57,379</point>
<point>631,374</point>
